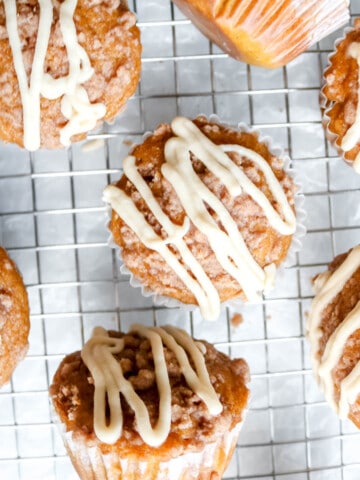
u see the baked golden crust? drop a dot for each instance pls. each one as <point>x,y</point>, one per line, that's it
<point>340,93</point>
<point>14,317</point>
<point>107,32</point>
<point>265,244</point>
<point>192,426</point>
<point>268,33</point>
<point>331,317</point>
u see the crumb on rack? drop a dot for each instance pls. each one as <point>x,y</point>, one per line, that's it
<point>236,320</point>
<point>94,144</point>
<point>128,143</point>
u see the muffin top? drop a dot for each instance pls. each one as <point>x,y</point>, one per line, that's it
<point>340,95</point>
<point>65,66</point>
<point>334,333</point>
<point>176,394</point>
<point>14,317</point>
<point>203,213</point>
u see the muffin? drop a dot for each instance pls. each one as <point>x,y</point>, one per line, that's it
<point>65,68</point>
<point>333,330</point>
<point>267,33</point>
<point>153,403</point>
<point>202,214</point>
<point>340,97</point>
<point>14,317</point>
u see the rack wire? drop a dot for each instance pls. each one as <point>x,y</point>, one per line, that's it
<point>52,221</point>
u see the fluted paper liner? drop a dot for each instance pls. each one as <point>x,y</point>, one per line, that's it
<point>90,461</point>
<point>268,33</point>
<point>326,105</point>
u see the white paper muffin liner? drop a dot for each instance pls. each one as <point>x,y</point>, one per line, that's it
<point>91,462</point>
<point>327,105</point>
<point>296,243</point>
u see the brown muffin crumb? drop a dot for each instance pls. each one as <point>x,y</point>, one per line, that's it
<point>236,320</point>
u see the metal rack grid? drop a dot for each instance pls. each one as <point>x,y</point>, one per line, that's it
<point>52,222</point>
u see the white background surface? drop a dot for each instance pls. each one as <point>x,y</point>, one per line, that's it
<point>52,221</point>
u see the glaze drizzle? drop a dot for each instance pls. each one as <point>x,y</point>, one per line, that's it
<point>327,288</point>
<point>98,355</point>
<point>226,242</point>
<point>75,105</point>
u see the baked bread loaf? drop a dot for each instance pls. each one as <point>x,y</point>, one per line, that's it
<point>334,334</point>
<point>268,33</point>
<point>152,403</point>
<point>203,213</point>
<point>14,317</point>
<point>65,67</point>
<point>340,97</point>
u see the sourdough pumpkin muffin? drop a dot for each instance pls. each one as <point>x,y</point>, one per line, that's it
<point>340,97</point>
<point>14,317</point>
<point>203,213</point>
<point>334,334</point>
<point>268,33</point>
<point>152,403</point>
<point>65,67</point>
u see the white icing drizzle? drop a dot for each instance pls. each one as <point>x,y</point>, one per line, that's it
<point>109,381</point>
<point>30,95</point>
<point>328,288</point>
<point>75,105</point>
<point>350,388</point>
<point>352,136</point>
<point>201,286</point>
<point>227,243</point>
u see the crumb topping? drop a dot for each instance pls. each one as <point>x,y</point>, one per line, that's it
<point>265,244</point>
<point>72,393</point>
<point>113,48</point>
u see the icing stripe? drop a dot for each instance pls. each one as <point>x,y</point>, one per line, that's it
<point>227,242</point>
<point>75,105</point>
<point>235,180</point>
<point>285,227</point>
<point>331,356</point>
<point>350,389</point>
<point>329,286</point>
<point>199,381</point>
<point>30,95</point>
<point>109,381</point>
<point>333,285</point>
<point>201,286</point>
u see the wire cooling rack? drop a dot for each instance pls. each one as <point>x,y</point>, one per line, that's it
<point>52,221</point>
